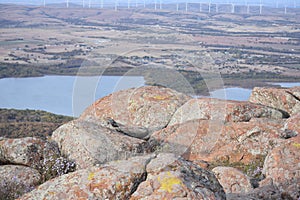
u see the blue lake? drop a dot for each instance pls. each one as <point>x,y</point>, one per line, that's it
<point>70,95</point>
<point>234,93</point>
<point>242,94</point>
<point>67,95</point>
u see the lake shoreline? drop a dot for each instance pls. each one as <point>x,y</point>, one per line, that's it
<point>229,82</point>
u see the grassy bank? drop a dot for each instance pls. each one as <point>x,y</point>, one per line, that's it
<point>24,123</point>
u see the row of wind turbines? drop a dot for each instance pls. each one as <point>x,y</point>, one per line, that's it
<point>186,5</point>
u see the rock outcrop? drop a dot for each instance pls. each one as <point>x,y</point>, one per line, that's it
<point>282,167</point>
<point>233,180</point>
<point>155,143</point>
<point>16,180</point>
<point>286,99</point>
<point>227,111</point>
<point>29,151</point>
<point>27,162</point>
<point>211,141</point>
<point>292,125</point>
<point>88,143</point>
<point>171,178</point>
<point>115,180</point>
<point>133,179</point>
<point>139,111</point>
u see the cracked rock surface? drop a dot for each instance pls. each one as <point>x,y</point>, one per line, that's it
<point>88,143</point>
<point>146,143</point>
<point>141,177</point>
<point>286,99</point>
<point>146,107</point>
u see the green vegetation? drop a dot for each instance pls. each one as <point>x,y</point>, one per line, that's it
<point>253,169</point>
<point>23,123</point>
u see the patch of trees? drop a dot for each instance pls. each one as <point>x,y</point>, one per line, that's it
<point>24,123</point>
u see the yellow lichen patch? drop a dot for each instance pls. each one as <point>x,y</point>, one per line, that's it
<point>167,183</point>
<point>51,193</point>
<point>91,176</point>
<point>297,145</point>
<point>160,97</point>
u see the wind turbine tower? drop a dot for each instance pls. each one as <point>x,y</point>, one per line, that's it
<point>285,9</point>
<point>260,7</point>
<point>186,6</point>
<point>116,5</point>
<point>67,3</point>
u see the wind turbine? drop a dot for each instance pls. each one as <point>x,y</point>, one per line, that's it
<point>160,6</point>
<point>177,5</point>
<point>44,3</point>
<point>155,6</point>
<point>83,3</point>
<point>260,7</point>
<point>116,5</point>
<point>67,3</point>
<point>200,7</point>
<point>186,6</point>
<point>285,9</point>
<point>89,3</point>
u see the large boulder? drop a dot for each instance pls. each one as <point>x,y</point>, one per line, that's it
<point>286,99</point>
<point>261,193</point>
<point>21,151</point>
<point>232,180</point>
<point>41,155</point>
<point>88,143</point>
<point>292,124</point>
<point>223,110</point>
<point>169,177</point>
<point>114,180</point>
<point>122,180</point>
<point>138,112</point>
<point>207,140</point>
<point>282,167</point>
<point>16,180</point>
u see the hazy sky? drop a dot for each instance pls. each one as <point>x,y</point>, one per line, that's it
<point>290,3</point>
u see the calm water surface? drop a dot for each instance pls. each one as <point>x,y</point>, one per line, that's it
<point>70,95</point>
<point>242,94</point>
<point>234,93</point>
<point>67,95</point>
